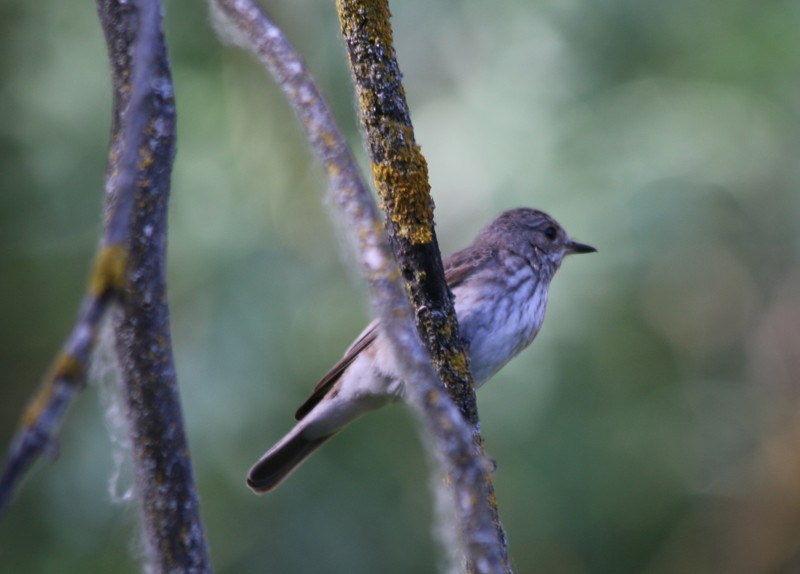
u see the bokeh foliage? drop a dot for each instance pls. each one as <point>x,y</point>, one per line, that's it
<point>651,428</point>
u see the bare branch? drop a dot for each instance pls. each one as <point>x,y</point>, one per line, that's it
<point>129,274</point>
<point>453,439</point>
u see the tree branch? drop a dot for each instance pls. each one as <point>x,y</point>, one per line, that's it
<point>453,439</point>
<point>46,411</point>
<point>129,275</point>
<point>140,163</point>
<point>400,173</point>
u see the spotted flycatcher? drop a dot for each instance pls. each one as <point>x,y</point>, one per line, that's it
<point>500,285</point>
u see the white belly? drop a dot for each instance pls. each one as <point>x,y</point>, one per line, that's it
<point>498,327</point>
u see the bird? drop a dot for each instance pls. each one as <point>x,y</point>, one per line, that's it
<point>500,285</point>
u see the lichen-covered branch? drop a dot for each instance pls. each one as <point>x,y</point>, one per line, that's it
<point>46,411</point>
<point>400,173</point>
<point>401,177</point>
<point>452,437</point>
<point>128,277</point>
<point>139,166</point>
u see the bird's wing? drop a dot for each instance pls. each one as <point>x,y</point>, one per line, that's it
<point>364,340</point>
<point>458,267</point>
<point>463,264</point>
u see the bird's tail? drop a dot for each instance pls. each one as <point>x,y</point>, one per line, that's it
<point>281,460</point>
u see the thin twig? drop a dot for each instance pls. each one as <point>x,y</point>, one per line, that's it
<point>452,437</point>
<point>46,411</point>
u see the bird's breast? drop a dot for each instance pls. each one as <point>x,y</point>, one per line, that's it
<point>500,313</point>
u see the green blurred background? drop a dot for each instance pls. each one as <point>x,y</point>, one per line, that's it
<point>654,425</point>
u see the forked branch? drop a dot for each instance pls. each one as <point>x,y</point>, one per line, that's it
<point>129,277</point>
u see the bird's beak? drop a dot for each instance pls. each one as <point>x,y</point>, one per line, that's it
<point>575,247</point>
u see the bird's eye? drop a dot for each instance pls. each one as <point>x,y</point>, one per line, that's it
<point>550,233</point>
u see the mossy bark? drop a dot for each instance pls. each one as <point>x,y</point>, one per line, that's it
<point>400,174</point>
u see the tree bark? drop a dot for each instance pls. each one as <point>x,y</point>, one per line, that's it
<point>140,163</point>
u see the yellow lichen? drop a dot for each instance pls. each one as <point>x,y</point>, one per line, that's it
<point>405,193</point>
<point>432,397</point>
<point>371,15</point>
<point>109,270</point>
<point>399,169</point>
<point>458,362</point>
<point>37,405</point>
<point>147,158</point>
<point>394,274</point>
<point>492,497</point>
<point>67,368</point>
<point>327,138</point>
<point>333,169</point>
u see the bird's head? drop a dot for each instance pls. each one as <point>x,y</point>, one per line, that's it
<point>532,234</point>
